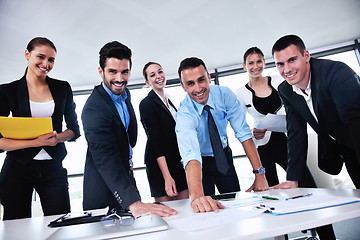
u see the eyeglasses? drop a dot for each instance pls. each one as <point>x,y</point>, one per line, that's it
<point>113,218</point>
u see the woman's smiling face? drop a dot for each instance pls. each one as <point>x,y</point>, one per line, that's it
<point>155,76</point>
<point>40,60</point>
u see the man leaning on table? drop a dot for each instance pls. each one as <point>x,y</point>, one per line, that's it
<point>204,168</point>
<point>111,131</point>
<point>325,94</point>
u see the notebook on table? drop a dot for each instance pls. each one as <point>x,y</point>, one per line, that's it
<point>145,224</point>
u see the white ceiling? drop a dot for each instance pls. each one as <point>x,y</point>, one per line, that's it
<point>165,31</point>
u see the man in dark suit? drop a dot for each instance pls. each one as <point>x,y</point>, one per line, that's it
<point>111,131</point>
<point>325,94</point>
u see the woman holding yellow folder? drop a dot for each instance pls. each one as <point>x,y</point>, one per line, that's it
<point>37,163</point>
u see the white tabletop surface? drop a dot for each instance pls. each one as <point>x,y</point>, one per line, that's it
<point>258,227</point>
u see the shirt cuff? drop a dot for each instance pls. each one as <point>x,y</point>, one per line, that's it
<point>245,137</point>
<point>188,158</point>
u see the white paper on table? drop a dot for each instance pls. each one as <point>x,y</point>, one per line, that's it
<point>202,221</point>
<point>313,202</point>
<point>273,122</point>
<point>243,202</point>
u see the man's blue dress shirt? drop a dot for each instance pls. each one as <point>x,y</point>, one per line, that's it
<point>191,123</point>
<point>123,111</point>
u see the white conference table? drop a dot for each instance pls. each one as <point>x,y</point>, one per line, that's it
<point>259,227</point>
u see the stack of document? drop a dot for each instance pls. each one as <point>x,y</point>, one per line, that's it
<point>273,122</point>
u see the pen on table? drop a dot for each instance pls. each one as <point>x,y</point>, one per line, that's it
<point>299,196</point>
<point>270,198</point>
<point>264,206</point>
<point>159,203</point>
<point>59,218</point>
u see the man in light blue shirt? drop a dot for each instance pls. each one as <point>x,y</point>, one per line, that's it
<point>194,141</point>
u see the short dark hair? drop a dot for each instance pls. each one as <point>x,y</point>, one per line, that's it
<point>288,40</point>
<point>37,41</point>
<point>146,66</point>
<point>251,51</point>
<point>191,62</point>
<point>114,49</point>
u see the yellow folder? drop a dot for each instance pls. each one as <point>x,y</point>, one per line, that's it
<point>24,127</point>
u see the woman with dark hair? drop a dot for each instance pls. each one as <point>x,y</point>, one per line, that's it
<point>164,169</point>
<point>258,98</point>
<point>37,163</point>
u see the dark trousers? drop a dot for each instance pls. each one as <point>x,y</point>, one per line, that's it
<point>325,232</point>
<point>352,166</point>
<point>211,177</point>
<point>18,181</point>
<point>275,151</point>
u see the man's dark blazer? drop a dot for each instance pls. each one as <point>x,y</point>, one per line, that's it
<point>159,126</point>
<point>14,98</point>
<point>107,178</point>
<point>335,92</point>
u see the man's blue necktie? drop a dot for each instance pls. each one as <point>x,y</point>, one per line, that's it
<point>219,153</point>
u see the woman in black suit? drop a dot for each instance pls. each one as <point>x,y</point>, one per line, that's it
<point>37,163</point>
<point>164,169</point>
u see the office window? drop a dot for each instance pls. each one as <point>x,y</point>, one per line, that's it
<point>74,161</point>
<point>234,82</point>
<point>348,57</point>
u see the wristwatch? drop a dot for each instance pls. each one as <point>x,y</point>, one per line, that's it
<point>260,170</point>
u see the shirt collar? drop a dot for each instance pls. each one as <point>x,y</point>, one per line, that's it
<point>166,95</point>
<point>200,107</point>
<point>307,90</point>
<point>114,97</point>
